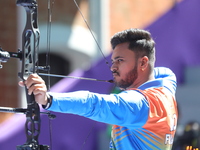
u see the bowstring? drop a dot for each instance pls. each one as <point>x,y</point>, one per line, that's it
<point>50,8</point>
<point>50,5</point>
<point>106,61</point>
<point>99,47</point>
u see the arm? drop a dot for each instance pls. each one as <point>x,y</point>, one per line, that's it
<point>128,108</point>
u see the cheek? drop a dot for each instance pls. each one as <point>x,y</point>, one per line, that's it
<point>123,71</point>
<point>126,68</point>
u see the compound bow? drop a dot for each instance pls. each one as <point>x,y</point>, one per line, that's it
<point>29,57</point>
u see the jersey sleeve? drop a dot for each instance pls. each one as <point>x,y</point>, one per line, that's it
<point>125,109</point>
<point>164,73</point>
<point>167,77</point>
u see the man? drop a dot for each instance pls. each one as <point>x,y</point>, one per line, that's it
<point>143,115</point>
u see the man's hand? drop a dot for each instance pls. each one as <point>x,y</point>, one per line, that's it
<point>36,85</point>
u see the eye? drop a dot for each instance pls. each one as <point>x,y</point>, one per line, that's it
<point>119,60</point>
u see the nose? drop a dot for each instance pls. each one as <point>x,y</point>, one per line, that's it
<point>113,67</point>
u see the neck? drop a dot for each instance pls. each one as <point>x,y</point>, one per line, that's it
<point>141,80</point>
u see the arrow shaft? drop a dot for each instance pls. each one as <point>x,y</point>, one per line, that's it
<point>82,78</point>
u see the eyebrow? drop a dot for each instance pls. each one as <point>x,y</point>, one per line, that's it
<point>117,57</point>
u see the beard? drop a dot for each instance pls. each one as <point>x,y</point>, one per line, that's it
<point>130,79</point>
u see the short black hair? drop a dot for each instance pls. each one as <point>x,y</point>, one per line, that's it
<point>140,41</point>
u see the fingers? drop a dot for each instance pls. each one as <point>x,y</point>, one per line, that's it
<point>40,97</point>
<point>21,83</point>
<point>32,80</point>
<point>36,86</point>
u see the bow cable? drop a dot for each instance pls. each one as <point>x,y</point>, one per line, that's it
<point>106,61</point>
<point>50,6</point>
<point>50,9</point>
<point>47,67</point>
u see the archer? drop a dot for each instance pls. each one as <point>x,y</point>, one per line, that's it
<point>144,115</point>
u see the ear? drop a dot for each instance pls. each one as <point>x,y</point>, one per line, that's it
<point>144,63</point>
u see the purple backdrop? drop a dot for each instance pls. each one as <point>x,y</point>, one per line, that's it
<point>177,37</point>
<point>177,42</point>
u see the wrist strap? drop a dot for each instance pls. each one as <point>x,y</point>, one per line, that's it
<point>49,101</point>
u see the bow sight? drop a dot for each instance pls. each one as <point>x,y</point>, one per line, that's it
<point>5,56</point>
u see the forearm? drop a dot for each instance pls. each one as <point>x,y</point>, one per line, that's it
<point>112,109</point>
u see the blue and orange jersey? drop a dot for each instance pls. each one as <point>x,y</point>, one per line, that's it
<point>157,132</point>
<point>143,119</point>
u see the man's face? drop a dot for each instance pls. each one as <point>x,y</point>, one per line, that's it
<point>124,66</point>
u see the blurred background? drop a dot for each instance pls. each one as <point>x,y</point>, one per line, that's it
<point>174,25</point>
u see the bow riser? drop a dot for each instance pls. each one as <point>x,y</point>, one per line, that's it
<point>30,39</point>
<point>30,46</point>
